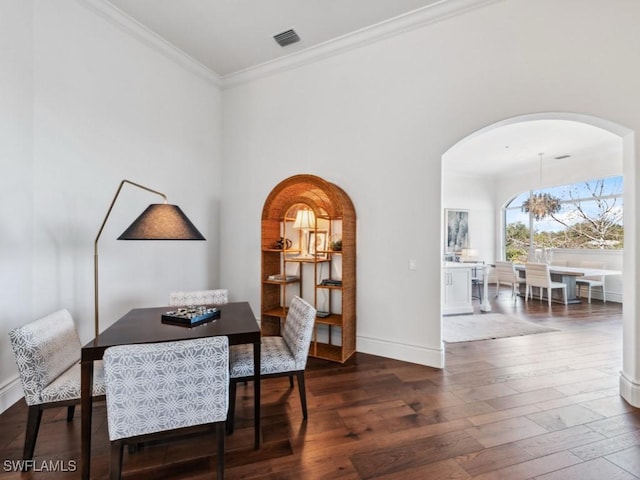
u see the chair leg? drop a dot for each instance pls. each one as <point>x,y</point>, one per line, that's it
<point>303,393</point>
<point>220,433</point>
<point>549,291</point>
<point>115,467</point>
<point>604,295</point>
<point>232,405</point>
<point>290,381</point>
<point>70,412</point>
<point>33,425</point>
<point>589,294</point>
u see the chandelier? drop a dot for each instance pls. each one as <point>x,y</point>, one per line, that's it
<point>541,204</point>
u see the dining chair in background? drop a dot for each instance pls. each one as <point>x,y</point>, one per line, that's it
<point>47,352</point>
<point>591,281</point>
<point>199,297</point>
<point>506,274</point>
<point>280,356</point>
<point>154,388</point>
<point>537,275</point>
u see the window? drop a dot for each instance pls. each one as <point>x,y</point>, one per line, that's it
<point>590,217</point>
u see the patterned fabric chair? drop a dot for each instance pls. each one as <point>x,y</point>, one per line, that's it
<point>47,353</point>
<point>156,387</point>
<point>201,297</point>
<point>280,356</point>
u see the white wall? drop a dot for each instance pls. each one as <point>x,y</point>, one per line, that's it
<point>88,105</point>
<point>475,194</point>
<point>377,121</point>
<point>16,180</point>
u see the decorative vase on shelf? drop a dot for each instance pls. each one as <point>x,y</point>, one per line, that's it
<point>335,243</point>
<point>282,244</point>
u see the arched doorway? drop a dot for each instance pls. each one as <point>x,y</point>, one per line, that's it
<point>629,388</point>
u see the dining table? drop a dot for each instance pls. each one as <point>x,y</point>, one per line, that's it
<point>568,276</point>
<point>144,325</point>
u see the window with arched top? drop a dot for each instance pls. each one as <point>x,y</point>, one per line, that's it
<point>583,215</point>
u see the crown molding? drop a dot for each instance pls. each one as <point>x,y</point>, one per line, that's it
<point>418,18</point>
<point>129,25</point>
<point>436,12</point>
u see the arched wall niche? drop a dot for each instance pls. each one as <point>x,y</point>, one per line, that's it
<point>335,330</point>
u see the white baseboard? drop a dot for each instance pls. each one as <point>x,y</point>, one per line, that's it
<point>399,351</point>
<point>10,393</point>
<point>630,390</point>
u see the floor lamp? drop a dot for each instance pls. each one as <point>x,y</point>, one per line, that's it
<point>158,222</point>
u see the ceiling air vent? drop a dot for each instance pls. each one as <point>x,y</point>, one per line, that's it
<point>286,38</point>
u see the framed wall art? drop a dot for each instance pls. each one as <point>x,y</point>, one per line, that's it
<point>318,243</point>
<point>456,230</point>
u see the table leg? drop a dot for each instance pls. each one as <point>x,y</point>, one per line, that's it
<point>86,403</point>
<point>256,391</point>
<point>570,282</point>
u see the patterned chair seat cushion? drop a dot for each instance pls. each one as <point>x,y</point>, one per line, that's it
<point>276,357</point>
<point>67,385</point>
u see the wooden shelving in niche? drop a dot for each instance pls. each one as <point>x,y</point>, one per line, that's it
<point>299,266</point>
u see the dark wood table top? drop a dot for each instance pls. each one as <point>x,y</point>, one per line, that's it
<point>144,325</point>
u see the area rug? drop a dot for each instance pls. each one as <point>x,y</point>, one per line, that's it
<point>485,326</point>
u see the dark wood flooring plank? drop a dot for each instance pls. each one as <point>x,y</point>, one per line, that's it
<point>543,405</point>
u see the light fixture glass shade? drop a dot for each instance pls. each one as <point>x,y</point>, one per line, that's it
<point>541,205</point>
<point>305,219</point>
<point>162,221</point>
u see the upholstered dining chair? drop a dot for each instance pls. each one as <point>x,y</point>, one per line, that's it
<point>280,356</point>
<point>537,275</point>
<point>200,297</point>
<point>591,281</point>
<point>506,273</point>
<point>158,387</point>
<point>47,352</point>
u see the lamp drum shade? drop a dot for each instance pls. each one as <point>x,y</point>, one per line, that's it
<point>305,219</point>
<point>162,221</point>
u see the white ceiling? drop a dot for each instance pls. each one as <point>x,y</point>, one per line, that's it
<point>228,36</point>
<point>516,147</point>
<point>231,36</point>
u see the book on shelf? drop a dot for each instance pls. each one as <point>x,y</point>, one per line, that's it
<point>328,282</point>
<point>282,278</point>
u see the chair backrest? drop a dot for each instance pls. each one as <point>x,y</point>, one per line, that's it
<point>505,272</point>
<point>200,297</point>
<point>155,387</point>
<point>537,274</point>
<point>44,349</point>
<point>298,329</point>
<point>598,265</point>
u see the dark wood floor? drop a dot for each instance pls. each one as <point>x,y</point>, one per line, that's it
<point>541,406</point>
